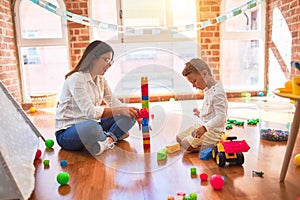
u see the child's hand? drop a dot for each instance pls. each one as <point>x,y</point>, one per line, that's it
<point>196,112</point>
<point>199,132</point>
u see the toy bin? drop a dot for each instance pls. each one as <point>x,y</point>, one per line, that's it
<point>275,120</point>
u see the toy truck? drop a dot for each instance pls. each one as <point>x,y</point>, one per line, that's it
<point>229,151</point>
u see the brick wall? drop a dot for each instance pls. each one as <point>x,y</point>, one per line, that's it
<point>290,10</point>
<point>79,35</point>
<point>9,73</point>
<point>209,37</point>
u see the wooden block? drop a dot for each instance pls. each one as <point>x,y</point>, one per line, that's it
<point>173,148</point>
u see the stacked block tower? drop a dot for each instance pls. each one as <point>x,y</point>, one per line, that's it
<point>145,105</point>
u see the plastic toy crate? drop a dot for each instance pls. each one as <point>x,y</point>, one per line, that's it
<point>235,146</point>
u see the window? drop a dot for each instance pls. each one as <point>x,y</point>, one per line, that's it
<point>42,46</point>
<point>150,48</point>
<point>242,63</point>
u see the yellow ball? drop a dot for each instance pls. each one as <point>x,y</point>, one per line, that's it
<point>297,159</point>
<point>32,109</point>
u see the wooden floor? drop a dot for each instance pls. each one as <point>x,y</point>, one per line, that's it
<point>127,172</point>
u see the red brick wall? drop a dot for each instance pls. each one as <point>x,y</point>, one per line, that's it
<point>290,10</point>
<point>209,37</point>
<point>9,73</point>
<point>79,35</point>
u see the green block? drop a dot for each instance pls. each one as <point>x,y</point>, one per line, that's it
<point>162,154</point>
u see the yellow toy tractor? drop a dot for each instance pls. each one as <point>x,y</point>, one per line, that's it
<point>227,150</point>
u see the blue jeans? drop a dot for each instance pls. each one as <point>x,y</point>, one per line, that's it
<point>86,134</point>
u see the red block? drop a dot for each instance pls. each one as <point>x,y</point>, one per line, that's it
<point>144,88</point>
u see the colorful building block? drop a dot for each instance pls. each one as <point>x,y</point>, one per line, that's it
<point>162,154</point>
<point>173,148</point>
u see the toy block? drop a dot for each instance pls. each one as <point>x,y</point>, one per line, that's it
<point>145,129</point>
<point>162,154</point>
<point>145,122</point>
<point>173,148</point>
<point>146,98</point>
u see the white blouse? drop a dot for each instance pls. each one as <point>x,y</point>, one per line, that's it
<point>81,99</point>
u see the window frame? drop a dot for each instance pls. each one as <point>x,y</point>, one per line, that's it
<point>245,35</point>
<point>39,42</point>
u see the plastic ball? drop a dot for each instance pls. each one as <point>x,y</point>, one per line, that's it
<point>297,159</point>
<point>32,109</point>
<point>261,94</point>
<point>63,178</point>
<point>63,163</point>
<point>217,181</point>
<point>203,177</point>
<point>49,143</point>
<point>38,154</point>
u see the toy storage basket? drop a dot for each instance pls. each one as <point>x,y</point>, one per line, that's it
<point>275,120</point>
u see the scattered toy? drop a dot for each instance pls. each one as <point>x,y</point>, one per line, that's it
<point>252,121</point>
<point>46,163</point>
<point>259,174</point>
<point>193,171</point>
<point>49,143</point>
<point>162,154</point>
<point>203,177</point>
<point>229,151</point>
<point>63,163</point>
<point>38,154</point>
<point>173,148</point>
<point>217,181</point>
<point>297,159</point>
<point>63,178</point>
<point>205,154</point>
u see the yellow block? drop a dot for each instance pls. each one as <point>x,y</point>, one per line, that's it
<point>146,141</point>
<point>173,148</point>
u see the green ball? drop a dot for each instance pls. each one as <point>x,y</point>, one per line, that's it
<point>49,143</point>
<point>63,178</point>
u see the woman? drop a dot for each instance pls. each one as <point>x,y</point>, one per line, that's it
<point>81,119</point>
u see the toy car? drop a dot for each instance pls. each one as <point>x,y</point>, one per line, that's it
<point>227,150</point>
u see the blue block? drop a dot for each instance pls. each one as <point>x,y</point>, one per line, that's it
<point>145,122</point>
<point>145,97</point>
<point>205,154</point>
<point>63,163</point>
<point>145,129</point>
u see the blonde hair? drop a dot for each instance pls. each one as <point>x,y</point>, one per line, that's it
<point>195,65</point>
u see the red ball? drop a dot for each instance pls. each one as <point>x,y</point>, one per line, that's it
<point>38,154</point>
<point>203,177</point>
<point>217,181</point>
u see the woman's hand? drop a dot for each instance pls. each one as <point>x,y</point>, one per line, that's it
<point>199,132</point>
<point>131,112</point>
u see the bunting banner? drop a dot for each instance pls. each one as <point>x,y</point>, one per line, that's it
<point>146,30</point>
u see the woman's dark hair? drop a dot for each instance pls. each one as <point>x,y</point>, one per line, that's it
<point>93,51</point>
